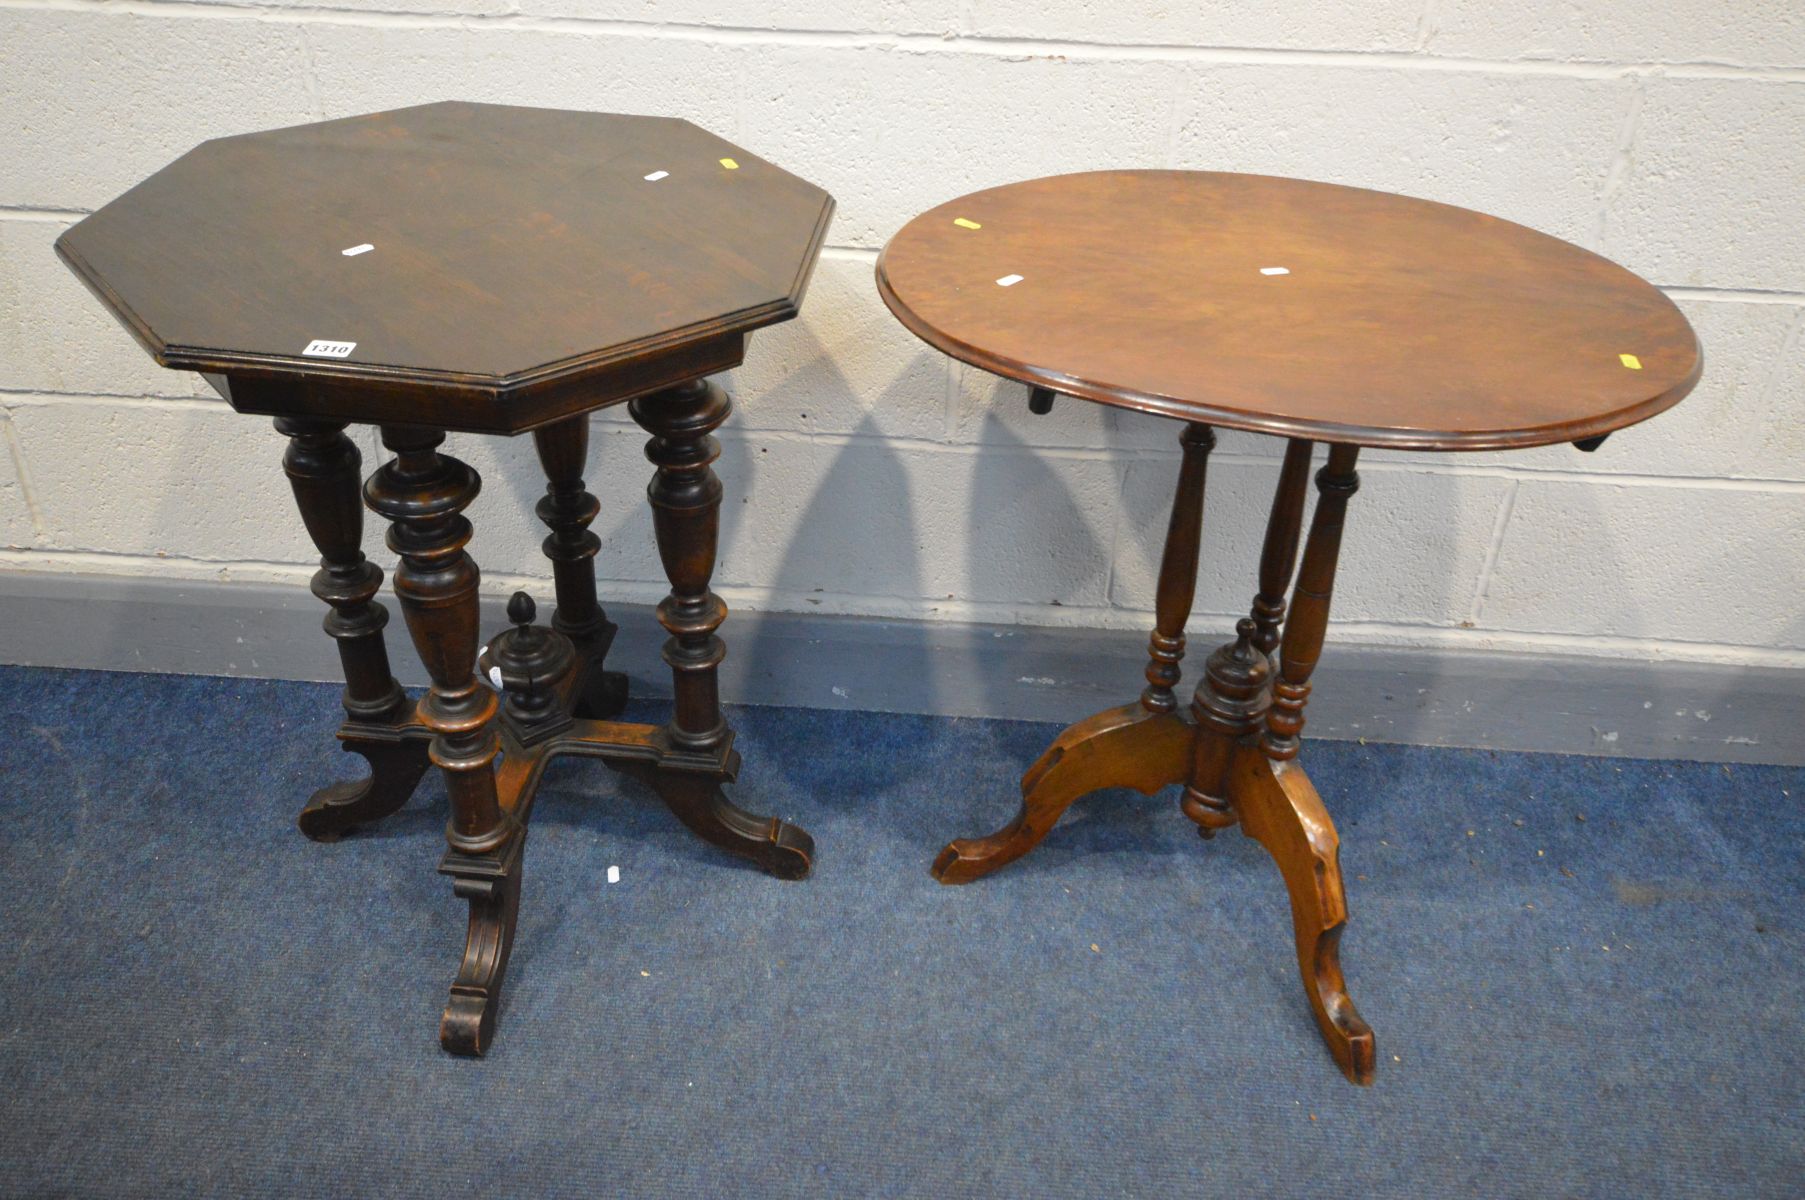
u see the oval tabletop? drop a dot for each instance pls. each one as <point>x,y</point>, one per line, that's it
<point>1289,307</point>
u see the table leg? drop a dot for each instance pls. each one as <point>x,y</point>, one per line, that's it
<point>1234,753</point>
<point>423,493</point>
<point>1278,555</point>
<point>1336,484</point>
<point>1234,693</point>
<point>322,467</point>
<point>567,509</point>
<point>1145,746</point>
<point>1275,801</point>
<point>686,505</point>
<point>1178,571</point>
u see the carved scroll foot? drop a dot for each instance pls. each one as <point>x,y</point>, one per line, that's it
<point>1120,747</point>
<point>1281,810</point>
<point>338,808</point>
<point>492,886</point>
<point>777,847</point>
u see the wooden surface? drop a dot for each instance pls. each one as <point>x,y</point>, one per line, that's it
<point>1399,322</point>
<point>515,251</point>
<point>556,694</point>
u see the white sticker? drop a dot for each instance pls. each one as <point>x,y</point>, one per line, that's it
<point>1275,270</point>
<point>613,874</point>
<point>495,677</point>
<point>321,348</point>
<point>655,176</point>
<point>354,251</point>
<point>1009,281</point>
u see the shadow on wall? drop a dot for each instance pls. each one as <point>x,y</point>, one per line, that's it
<point>1021,511</point>
<point>266,527</point>
<point>839,537</point>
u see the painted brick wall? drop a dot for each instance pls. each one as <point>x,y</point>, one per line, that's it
<point>867,474</point>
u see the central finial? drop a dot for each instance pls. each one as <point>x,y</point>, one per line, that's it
<point>529,665</point>
<point>1244,635</point>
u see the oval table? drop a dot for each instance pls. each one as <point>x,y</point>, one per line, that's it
<point>1309,311</point>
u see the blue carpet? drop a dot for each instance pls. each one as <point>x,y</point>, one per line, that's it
<point>1584,975</point>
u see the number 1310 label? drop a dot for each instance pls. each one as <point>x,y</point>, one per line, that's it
<point>320,348</point>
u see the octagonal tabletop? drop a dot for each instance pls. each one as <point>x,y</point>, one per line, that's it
<point>466,265</point>
<point>1288,307</point>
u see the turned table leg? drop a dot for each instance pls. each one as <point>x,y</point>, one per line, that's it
<point>422,493</point>
<point>1275,801</point>
<point>686,508</point>
<point>1234,692</point>
<point>1178,571</point>
<point>1145,746</point>
<point>567,509</point>
<point>322,465</point>
<point>1336,484</point>
<point>1278,554</point>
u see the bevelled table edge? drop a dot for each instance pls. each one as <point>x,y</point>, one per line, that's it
<point>111,300</point>
<point>462,409</point>
<point>1376,437</point>
<point>559,377</point>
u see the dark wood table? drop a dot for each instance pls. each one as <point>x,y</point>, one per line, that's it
<point>1305,310</point>
<point>496,270</point>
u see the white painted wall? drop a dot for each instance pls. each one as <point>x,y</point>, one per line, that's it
<point>868,474</point>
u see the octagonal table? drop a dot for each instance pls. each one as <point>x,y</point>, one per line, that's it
<point>1304,310</point>
<point>495,270</point>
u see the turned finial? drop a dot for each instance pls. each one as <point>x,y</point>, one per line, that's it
<point>1244,631</point>
<point>1233,688</point>
<point>531,664</point>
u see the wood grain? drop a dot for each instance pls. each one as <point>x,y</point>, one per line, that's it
<point>522,265</point>
<point>1399,322</point>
